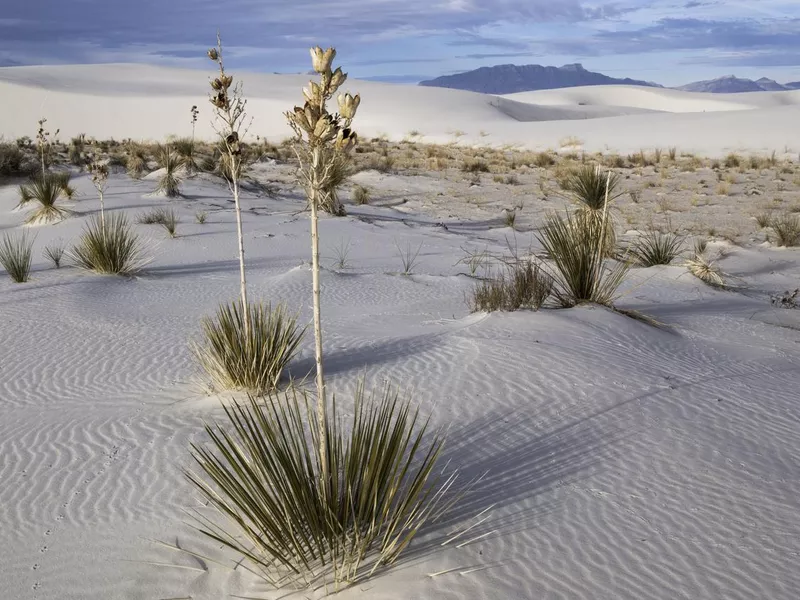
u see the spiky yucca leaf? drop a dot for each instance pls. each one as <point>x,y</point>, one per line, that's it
<point>261,470</point>
<point>46,189</point>
<point>575,243</point>
<point>113,248</point>
<point>252,359</point>
<point>587,184</point>
<point>656,248</point>
<point>15,256</point>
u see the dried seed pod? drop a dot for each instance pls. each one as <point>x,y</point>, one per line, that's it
<point>337,79</point>
<point>213,54</point>
<point>348,105</point>
<point>322,59</point>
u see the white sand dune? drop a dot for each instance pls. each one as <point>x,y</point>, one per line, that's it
<point>146,102</point>
<point>623,461</point>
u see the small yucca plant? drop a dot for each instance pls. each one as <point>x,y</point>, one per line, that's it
<point>15,256</point>
<point>54,253</point>
<point>185,148</point>
<point>294,524</point>
<point>170,180</point>
<point>46,189</point>
<point>576,243</point>
<point>656,248</point>
<point>113,249</point>
<point>252,357</point>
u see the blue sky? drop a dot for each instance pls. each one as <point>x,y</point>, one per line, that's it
<point>668,41</point>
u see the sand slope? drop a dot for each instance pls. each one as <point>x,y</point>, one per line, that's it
<point>147,102</point>
<point>623,462</point>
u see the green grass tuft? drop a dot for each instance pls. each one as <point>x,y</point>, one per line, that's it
<point>15,255</point>
<point>115,249</point>
<point>656,248</point>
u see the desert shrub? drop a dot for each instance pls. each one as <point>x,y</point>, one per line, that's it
<point>156,216</point>
<point>544,160</point>
<point>54,253</point>
<point>46,189</point>
<point>787,229</point>
<point>673,153</point>
<point>11,160</point>
<point>170,180</point>
<point>522,285</point>
<point>136,160</point>
<point>112,248</point>
<point>656,248</point>
<point>77,145</point>
<point>510,218</point>
<point>657,155</point>
<point>295,524</point>
<point>706,269</point>
<point>575,244</point>
<point>200,217</point>
<point>252,358</point>
<point>15,256</point>
<point>474,165</point>
<point>763,219</point>
<point>361,195</point>
<point>732,160</point>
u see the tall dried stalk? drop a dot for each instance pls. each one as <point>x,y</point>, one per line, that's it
<point>230,106</point>
<point>99,173</point>
<point>319,135</point>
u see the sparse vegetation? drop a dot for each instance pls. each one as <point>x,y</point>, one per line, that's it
<point>46,189</point>
<point>16,252</point>
<point>136,161</point>
<point>704,267</point>
<point>200,217</point>
<point>408,257</point>
<point>11,160</point>
<point>523,284</point>
<point>172,163</point>
<point>361,195</point>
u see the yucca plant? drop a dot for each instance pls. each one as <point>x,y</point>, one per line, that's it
<point>46,189</point>
<point>172,163</point>
<point>654,247</point>
<point>169,221</point>
<point>185,148</point>
<point>594,190</point>
<point>112,249</point>
<point>15,256</point>
<point>575,243</point>
<point>291,521</point>
<point>706,269</point>
<point>252,357</point>
<point>54,253</point>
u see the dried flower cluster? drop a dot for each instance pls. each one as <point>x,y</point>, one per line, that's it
<point>43,142</point>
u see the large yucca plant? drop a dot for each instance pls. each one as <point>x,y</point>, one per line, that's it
<point>298,522</point>
<point>575,243</point>
<point>46,189</point>
<point>656,248</point>
<point>15,256</point>
<point>247,355</point>
<point>169,182</point>
<point>113,248</point>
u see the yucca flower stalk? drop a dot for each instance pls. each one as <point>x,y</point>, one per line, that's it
<point>318,135</point>
<point>99,173</point>
<point>230,112</point>
<point>44,143</point>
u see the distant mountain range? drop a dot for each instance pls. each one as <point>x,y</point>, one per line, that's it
<point>509,79</point>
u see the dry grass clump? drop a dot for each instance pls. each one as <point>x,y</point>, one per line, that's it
<point>522,285</point>
<point>787,229</point>
<point>656,248</point>
<point>110,248</point>
<point>15,256</point>
<point>705,267</point>
<point>172,163</point>
<point>473,165</point>
<point>763,219</point>
<point>200,217</point>
<point>248,357</point>
<point>361,195</point>
<point>576,243</point>
<point>297,526</point>
<point>46,189</point>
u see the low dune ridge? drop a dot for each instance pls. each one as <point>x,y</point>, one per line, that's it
<point>144,102</point>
